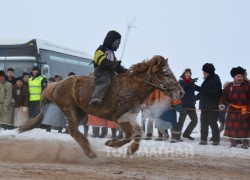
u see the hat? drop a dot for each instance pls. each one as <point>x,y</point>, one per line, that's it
<point>237,70</point>
<point>51,79</point>
<point>35,68</point>
<point>110,38</point>
<point>71,74</point>
<point>25,74</point>
<point>208,68</point>
<point>20,78</point>
<point>10,69</point>
<point>2,73</point>
<point>186,70</point>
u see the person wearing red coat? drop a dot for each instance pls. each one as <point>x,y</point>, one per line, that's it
<point>237,95</point>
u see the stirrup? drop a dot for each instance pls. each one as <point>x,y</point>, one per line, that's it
<point>95,102</point>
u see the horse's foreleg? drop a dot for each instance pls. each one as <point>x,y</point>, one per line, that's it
<point>77,135</point>
<point>137,132</point>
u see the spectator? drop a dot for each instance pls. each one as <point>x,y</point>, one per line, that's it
<point>21,97</point>
<point>51,79</point>
<point>71,74</point>
<point>222,116</point>
<point>237,95</point>
<point>163,113</point>
<point>26,79</point>
<point>145,116</point>
<point>98,123</point>
<point>10,76</point>
<point>53,117</point>
<point>6,120</point>
<point>58,78</point>
<point>188,103</point>
<point>209,95</point>
<point>36,84</point>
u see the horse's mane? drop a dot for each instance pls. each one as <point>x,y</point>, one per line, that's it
<point>153,65</point>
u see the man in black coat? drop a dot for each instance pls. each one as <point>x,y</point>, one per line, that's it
<point>209,95</point>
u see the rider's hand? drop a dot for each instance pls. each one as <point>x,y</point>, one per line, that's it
<point>116,64</point>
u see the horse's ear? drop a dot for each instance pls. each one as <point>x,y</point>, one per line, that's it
<point>166,60</point>
<point>160,60</point>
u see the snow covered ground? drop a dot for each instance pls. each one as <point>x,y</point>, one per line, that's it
<point>38,154</point>
<point>162,149</point>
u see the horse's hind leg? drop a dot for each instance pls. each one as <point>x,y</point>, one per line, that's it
<point>126,127</point>
<point>73,118</point>
<point>132,131</point>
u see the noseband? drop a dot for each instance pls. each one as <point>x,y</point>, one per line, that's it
<point>149,79</point>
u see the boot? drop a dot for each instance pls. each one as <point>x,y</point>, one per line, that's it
<point>203,142</point>
<point>113,131</point>
<point>96,131</point>
<point>233,143</point>
<point>160,136</point>
<point>245,144</point>
<point>221,128</point>
<point>104,132</point>
<point>60,130</point>
<point>148,136</point>
<point>166,134</point>
<point>46,127</point>
<point>120,134</point>
<point>86,130</point>
<point>185,135</point>
<point>175,136</point>
<point>98,94</point>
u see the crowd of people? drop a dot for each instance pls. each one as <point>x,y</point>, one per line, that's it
<point>230,106</point>
<point>20,100</point>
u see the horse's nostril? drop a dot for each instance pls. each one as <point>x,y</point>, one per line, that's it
<point>182,93</point>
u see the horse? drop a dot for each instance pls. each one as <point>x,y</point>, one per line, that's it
<point>128,90</point>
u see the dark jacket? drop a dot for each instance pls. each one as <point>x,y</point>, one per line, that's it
<point>189,98</point>
<point>12,81</point>
<point>21,95</point>
<point>210,92</point>
<point>104,58</point>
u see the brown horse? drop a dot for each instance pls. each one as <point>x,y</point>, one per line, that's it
<point>127,91</point>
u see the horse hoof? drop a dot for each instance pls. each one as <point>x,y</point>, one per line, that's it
<point>108,143</point>
<point>129,151</point>
<point>92,155</point>
<point>112,143</point>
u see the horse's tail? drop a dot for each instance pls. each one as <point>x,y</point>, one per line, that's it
<point>36,121</point>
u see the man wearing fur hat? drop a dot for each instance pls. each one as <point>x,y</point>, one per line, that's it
<point>6,120</point>
<point>209,95</point>
<point>237,95</point>
<point>37,84</point>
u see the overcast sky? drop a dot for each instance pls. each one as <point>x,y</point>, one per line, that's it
<point>188,32</point>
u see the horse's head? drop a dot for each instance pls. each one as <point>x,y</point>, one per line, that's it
<point>164,79</point>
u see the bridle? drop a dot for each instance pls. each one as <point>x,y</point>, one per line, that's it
<point>148,80</point>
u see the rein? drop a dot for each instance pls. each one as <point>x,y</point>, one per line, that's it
<point>160,86</point>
